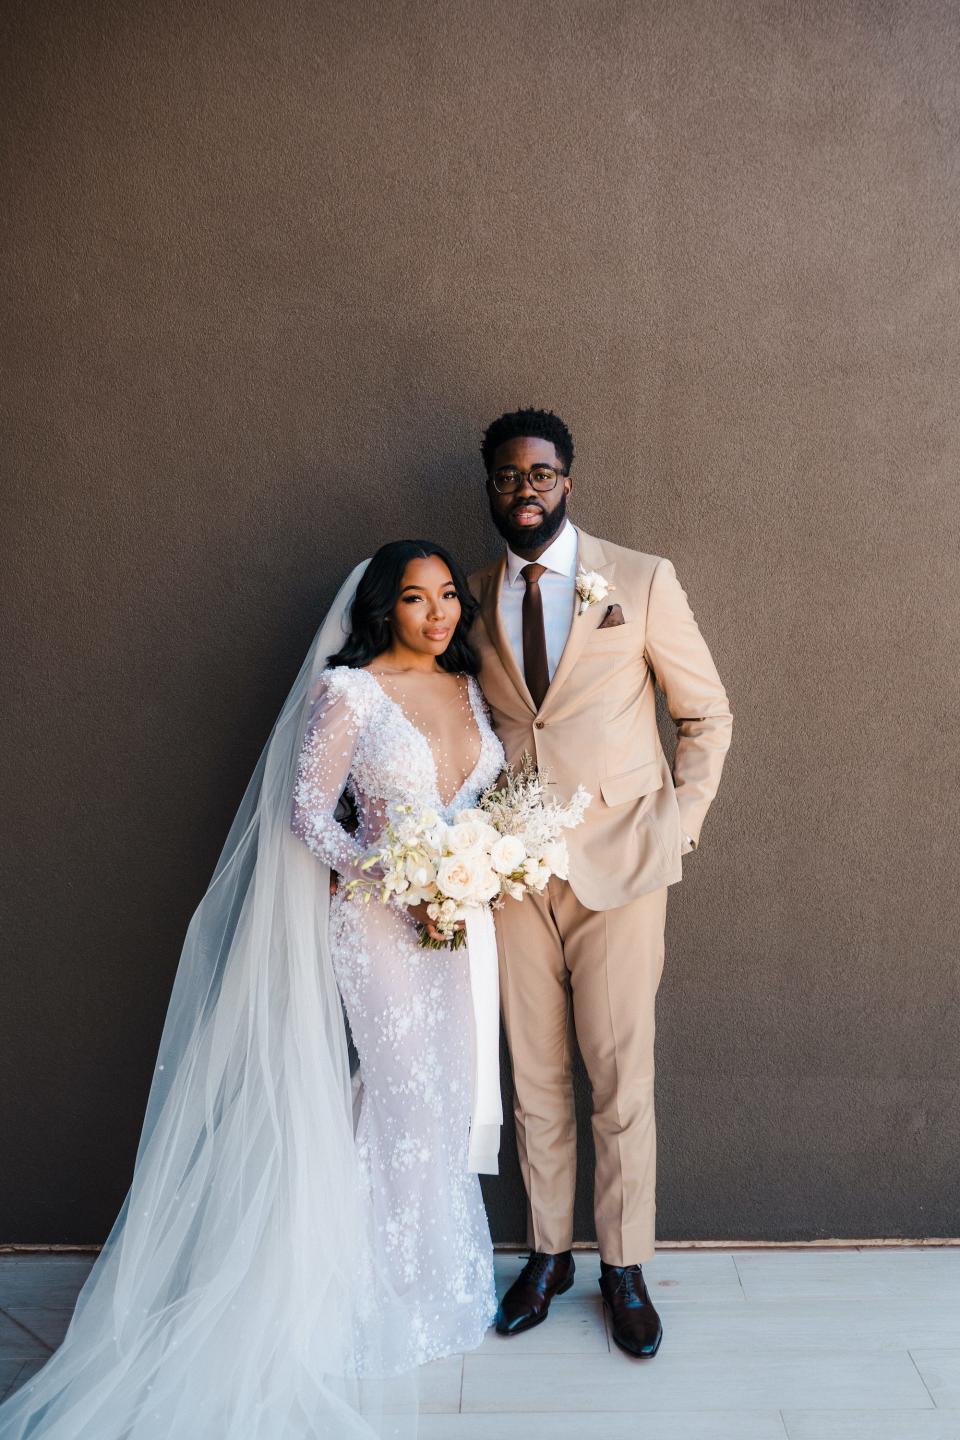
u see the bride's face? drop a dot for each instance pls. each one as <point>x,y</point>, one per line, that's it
<point>427,609</point>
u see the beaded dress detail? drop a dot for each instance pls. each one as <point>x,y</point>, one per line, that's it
<point>409,1008</point>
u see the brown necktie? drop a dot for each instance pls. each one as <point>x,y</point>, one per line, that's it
<point>535,670</point>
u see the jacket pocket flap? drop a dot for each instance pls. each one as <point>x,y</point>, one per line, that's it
<point>630,784</point>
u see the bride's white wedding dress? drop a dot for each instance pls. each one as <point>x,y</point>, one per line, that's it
<point>408,1006</point>
<point>273,1273</point>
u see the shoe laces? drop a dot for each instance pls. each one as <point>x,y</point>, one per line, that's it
<point>627,1281</point>
<point>536,1266</point>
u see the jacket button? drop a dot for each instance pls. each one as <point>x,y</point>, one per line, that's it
<point>539,724</point>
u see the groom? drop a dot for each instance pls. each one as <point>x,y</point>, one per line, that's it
<point>573,634</point>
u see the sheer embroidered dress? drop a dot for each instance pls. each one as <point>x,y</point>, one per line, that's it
<point>408,1007</point>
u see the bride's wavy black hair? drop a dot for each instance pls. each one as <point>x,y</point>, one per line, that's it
<point>378,593</point>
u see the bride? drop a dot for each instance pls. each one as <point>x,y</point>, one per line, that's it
<point>280,1265</point>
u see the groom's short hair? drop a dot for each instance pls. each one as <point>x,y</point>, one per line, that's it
<point>543,424</point>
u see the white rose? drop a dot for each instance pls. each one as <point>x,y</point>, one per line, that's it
<point>535,874</point>
<point>456,876</point>
<point>531,869</point>
<point>507,854</point>
<point>467,878</point>
<point>469,835</point>
<point>487,885</point>
<point>557,859</point>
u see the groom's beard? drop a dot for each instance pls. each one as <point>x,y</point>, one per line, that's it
<point>522,537</point>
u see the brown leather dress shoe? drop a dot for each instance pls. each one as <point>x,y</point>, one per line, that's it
<point>634,1322</point>
<point>527,1301</point>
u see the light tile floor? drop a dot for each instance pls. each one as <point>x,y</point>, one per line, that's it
<point>838,1344</point>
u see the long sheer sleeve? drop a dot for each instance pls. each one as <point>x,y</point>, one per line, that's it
<point>329,743</point>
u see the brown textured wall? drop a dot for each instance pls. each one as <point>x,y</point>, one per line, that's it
<point>268,270</point>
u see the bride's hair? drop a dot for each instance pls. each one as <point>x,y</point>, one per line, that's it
<point>378,593</point>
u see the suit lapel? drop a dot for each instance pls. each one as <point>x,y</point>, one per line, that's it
<point>591,555</point>
<point>490,611</point>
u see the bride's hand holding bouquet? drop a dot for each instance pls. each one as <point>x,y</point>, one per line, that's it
<point>510,842</point>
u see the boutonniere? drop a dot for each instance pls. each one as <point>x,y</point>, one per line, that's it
<point>592,588</point>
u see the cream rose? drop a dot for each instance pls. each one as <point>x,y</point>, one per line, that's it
<point>508,854</point>
<point>457,876</point>
<point>488,884</point>
<point>467,878</point>
<point>470,835</point>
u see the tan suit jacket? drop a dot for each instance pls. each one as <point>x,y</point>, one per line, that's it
<point>597,724</point>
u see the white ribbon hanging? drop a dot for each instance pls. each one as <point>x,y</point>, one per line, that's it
<point>487,1114</point>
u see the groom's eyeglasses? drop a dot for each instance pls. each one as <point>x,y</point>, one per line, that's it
<point>541,477</point>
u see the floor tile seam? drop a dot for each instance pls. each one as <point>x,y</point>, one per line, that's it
<point>769,1410</point>
<point>533,1355</point>
<point>648,1412</point>
<point>886,1293</point>
<point>802,1413</point>
<point>920,1376</point>
<point>26,1330</point>
<point>14,1385</point>
<point>586,1305</point>
<point>853,1350</point>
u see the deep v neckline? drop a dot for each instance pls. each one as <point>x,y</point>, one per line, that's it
<point>444,804</point>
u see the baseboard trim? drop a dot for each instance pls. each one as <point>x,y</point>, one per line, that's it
<point>870,1243</point>
<point>886,1242</point>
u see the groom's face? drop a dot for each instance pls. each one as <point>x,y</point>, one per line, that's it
<point>527,518</point>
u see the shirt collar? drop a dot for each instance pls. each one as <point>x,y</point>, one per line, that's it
<point>559,556</point>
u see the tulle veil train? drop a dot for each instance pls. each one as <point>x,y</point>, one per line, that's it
<point>224,1304</point>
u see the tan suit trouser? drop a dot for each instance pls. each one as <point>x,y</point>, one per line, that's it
<point>605,965</point>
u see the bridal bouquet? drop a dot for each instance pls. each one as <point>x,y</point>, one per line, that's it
<point>510,842</point>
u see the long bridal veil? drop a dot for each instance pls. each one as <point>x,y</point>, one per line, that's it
<point>239,1295</point>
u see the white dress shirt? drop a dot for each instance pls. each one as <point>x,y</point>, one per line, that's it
<point>558,588</point>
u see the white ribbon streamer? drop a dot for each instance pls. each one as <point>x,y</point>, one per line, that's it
<point>487,1114</point>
